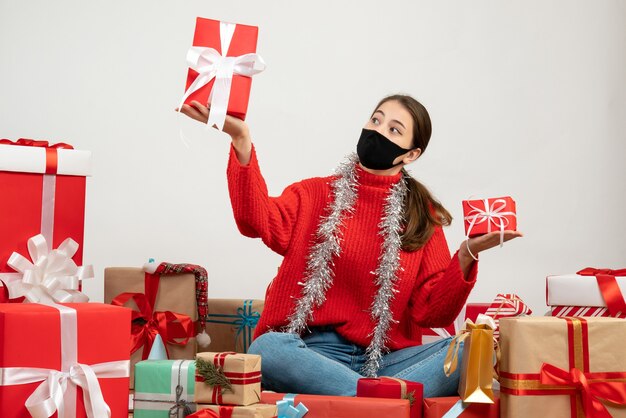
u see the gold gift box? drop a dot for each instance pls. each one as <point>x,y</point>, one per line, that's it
<point>177,293</point>
<point>259,410</point>
<point>231,323</point>
<point>243,372</point>
<point>574,345</point>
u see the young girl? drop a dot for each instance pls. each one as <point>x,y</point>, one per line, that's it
<point>366,264</point>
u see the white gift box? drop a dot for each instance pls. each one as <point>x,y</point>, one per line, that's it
<point>577,290</point>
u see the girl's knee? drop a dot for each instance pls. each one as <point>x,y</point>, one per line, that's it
<point>271,342</point>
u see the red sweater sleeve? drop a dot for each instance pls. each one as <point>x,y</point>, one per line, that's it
<point>441,289</point>
<point>256,213</point>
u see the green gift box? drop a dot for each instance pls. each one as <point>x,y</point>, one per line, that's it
<point>164,388</point>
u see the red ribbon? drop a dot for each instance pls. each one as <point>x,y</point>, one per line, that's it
<point>51,150</point>
<point>170,325</point>
<point>204,413</point>
<point>592,391</point>
<point>609,288</point>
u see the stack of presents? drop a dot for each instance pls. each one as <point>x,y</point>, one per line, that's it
<point>146,350</point>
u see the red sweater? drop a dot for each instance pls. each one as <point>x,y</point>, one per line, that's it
<point>431,287</point>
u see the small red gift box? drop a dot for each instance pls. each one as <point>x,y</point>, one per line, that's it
<point>43,191</point>
<point>390,387</point>
<point>488,215</point>
<point>321,406</point>
<point>438,407</point>
<point>42,346</point>
<point>225,83</point>
<point>471,311</point>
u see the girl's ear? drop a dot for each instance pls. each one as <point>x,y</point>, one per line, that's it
<point>412,155</point>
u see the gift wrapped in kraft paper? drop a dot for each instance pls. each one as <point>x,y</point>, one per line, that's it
<point>477,364</point>
<point>259,410</point>
<point>228,378</point>
<point>563,367</point>
<point>170,307</point>
<point>231,323</point>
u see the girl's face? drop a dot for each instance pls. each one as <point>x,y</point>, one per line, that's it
<point>394,122</point>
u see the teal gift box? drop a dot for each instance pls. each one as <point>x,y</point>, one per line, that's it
<point>164,388</point>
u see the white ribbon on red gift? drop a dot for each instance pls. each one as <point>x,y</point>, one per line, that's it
<point>52,276</point>
<point>211,64</point>
<point>57,391</point>
<point>492,214</point>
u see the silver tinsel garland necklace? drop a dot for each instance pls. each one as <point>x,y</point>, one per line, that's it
<point>319,269</point>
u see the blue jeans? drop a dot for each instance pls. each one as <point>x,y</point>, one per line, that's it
<point>324,363</point>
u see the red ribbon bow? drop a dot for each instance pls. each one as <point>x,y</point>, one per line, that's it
<point>592,391</point>
<point>170,325</point>
<point>51,150</point>
<point>609,288</point>
<point>204,413</point>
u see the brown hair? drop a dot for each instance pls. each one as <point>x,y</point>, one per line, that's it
<point>422,212</point>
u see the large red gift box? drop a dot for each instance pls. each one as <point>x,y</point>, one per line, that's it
<point>438,407</point>
<point>321,406</point>
<point>43,191</point>
<point>41,340</point>
<point>489,215</point>
<point>471,311</point>
<point>214,34</point>
<point>392,388</point>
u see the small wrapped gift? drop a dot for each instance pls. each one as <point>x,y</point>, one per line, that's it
<point>563,367</point>
<point>393,388</point>
<point>506,305</point>
<point>167,306</point>
<point>43,192</point>
<point>258,410</point>
<point>452,407</point>
<point>221,63</point>
<point>231,323</point>
<point>164,388</point>
<point>321,406</point>
<point>487,215</point>
<point>71,358</point>
<point>228,378</point>
<point>477,364</point>
<point>599,288</point>
<point>469,311</point>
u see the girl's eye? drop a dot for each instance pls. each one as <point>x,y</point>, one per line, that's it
<point>394,130</point>
<point>375,121</point>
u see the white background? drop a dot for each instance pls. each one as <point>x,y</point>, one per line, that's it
<point>527,98</point>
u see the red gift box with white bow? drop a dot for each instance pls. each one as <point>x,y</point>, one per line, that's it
<point>221,63</point>
<point>489,215</point>
<point>43,191</point>
<point>60,361</point>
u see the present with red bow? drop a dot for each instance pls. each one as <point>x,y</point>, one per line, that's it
<point>162,296</point>
<point>43,192</point>
<point>221,64</point>
<point>59,360</point>
<point>589,292</point>
<point>563,367</point>
<point>452,406</point>
<point>228,378</point>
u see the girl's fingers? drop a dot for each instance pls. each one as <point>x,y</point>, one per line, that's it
<point>193,113</point>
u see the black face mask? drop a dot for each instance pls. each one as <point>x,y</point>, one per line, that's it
<point>376,152</point>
